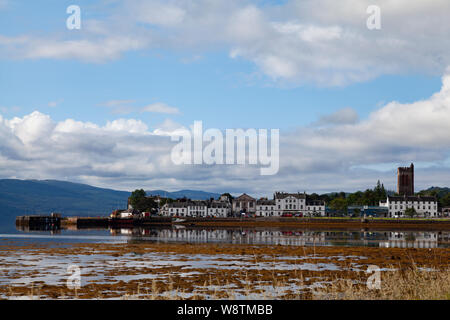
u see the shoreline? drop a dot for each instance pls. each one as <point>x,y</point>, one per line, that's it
<point>418,224</point>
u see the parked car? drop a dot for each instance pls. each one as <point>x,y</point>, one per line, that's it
<point>287,215</point>
<point>299,214</point>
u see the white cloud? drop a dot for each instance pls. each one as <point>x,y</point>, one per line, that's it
<point>161,13</point>
<point>53,104</point>
<point>325,42</point>
<point>160,107</point>
<point>125,153</point>
<point>119,106</point>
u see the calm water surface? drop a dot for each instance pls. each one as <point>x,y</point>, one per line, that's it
<point>269,236</point>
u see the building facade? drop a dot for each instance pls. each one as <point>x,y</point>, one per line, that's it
<point>405,180</point>
<point>289,203</point>
<point>424,206</point>
<point>265,208</point>
<point>197,208</point>
<point>244,204</point>
<point>219,208</point>
<point>315,208</point>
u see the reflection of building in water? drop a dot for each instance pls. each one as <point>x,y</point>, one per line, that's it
<point>227,236</point>
<point>289,237</point>
<point>411,240</point>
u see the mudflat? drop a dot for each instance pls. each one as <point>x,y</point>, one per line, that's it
<point>205,271</point>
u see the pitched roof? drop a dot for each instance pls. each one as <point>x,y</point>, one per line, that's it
<point>411,198</point>
<point>244,197</point>
<point>282,195</point>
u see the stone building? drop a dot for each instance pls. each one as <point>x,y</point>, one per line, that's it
<point>405,180</point>
<point>244,204</point>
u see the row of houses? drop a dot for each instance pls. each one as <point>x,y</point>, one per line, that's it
<point>282,204</point>
<point>197,208</point>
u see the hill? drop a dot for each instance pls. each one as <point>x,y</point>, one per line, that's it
<point>25,197</point>
<point>21,197</point>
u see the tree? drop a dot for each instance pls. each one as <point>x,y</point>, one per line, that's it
<point>445,200</point>
<point>410,212</point>
<point>141,202</point>
<point>136,195</point>
<point>340,205</point>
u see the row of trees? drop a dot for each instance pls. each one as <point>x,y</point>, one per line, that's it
<point>340,202</point>
<point>142,203</point>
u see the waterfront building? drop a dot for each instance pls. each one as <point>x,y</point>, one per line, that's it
<point>219,208</point>
<point>289,203</point>
<point>197,208</point>
<point>315,208</point>
<point>244,204</point>
<point>265,208</point>
<point>424,206</point>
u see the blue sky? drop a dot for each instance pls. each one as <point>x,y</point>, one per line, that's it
<point>234,75</point>
<point>212,89</point>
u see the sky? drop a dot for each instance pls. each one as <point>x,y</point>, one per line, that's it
<point>99,104</point>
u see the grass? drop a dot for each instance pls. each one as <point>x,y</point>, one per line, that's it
<point>410,284</point>
<point>413,284</point>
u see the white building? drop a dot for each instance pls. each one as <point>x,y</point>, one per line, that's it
<point>197,208</point>
<point>265,208</point>
<point>172,209</point>
<point>424,206</point>
<point>219,208</point>
<point>315,208</point>
<point>289,203</point>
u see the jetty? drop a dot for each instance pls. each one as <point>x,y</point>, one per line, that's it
<point>38,222</point>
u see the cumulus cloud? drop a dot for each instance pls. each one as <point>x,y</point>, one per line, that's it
<point>325,42</point>
<point>126,153</point>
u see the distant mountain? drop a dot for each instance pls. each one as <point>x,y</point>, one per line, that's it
<point>191,194</point>
<point>22,197</point>
<point>25,197</point>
